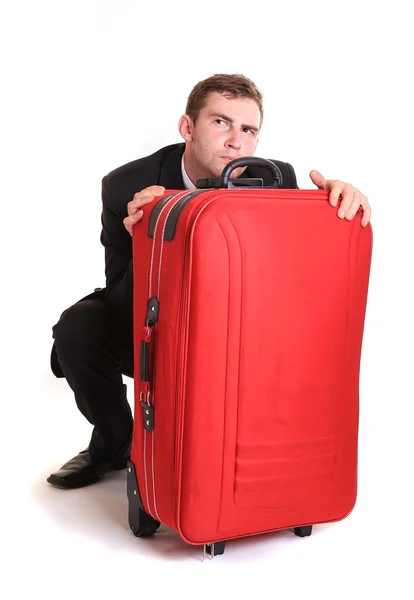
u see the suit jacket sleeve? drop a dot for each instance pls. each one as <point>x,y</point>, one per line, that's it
<point>118,253</point>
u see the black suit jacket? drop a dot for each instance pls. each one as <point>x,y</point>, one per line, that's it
<point>118,188</point>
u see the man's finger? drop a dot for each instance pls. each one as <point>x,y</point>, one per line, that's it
<point>145,197</point>
<point>347,194</point>
<point>353,209</point>
<point>136,204</point>
<point>318,179</point>
<point>152,190</point>
<point>334,194</point>
<point>131,220</point>
<point>366,217</point>
<point>137,216</point>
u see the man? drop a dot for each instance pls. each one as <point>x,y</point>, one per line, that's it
<point>94,338</point>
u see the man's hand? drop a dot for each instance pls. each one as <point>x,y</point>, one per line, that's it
<point>351,200</point>
<point>139,200</point>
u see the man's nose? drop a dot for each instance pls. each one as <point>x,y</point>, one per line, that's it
<point>234,140</point>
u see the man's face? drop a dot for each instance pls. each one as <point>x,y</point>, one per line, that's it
<point>226,128</point>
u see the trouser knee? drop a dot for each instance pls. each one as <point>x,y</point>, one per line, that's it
<point>80,329</point>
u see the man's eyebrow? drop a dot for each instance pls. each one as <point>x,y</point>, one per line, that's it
<point>230,120</point>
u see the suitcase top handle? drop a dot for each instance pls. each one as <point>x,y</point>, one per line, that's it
<point>247,161</point>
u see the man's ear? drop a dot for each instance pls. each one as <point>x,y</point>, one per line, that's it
<point>185,127</point>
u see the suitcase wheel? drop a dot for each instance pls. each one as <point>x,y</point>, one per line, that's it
<point>215,549</point>
<point>142,524</point>
<point>303,531</point>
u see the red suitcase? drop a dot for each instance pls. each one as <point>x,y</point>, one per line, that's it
<point>249,308</point>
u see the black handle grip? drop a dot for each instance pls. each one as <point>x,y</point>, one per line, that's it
<point>144,361</point>
<point>252,161</point>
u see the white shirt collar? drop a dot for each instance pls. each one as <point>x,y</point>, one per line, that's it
<point>188,184</point>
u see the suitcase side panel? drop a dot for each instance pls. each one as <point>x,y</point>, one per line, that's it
<point>271,402</point>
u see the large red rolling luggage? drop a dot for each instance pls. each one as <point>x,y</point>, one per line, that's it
<point>249,309</point>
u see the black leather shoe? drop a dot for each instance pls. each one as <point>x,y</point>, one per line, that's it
<point>82,470</point>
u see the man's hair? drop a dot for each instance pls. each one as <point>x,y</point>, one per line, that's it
<point>231,86</point>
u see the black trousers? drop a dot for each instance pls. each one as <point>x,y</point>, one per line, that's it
<point>93,351</point>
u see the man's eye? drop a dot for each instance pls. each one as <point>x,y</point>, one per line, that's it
<point>219,121</point>
<point>247,130</point>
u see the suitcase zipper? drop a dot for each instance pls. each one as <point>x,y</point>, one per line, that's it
<point>172,220</point>
<point>145,393</point>
<point>154,286</point>
<point>155,213</point>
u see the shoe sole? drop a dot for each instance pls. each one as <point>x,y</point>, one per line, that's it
<point>64,486</point>
<point>56,482</point>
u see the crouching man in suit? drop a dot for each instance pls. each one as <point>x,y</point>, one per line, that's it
<point>93,340</point>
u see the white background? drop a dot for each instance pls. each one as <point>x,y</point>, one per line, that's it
<point>88,86</point>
